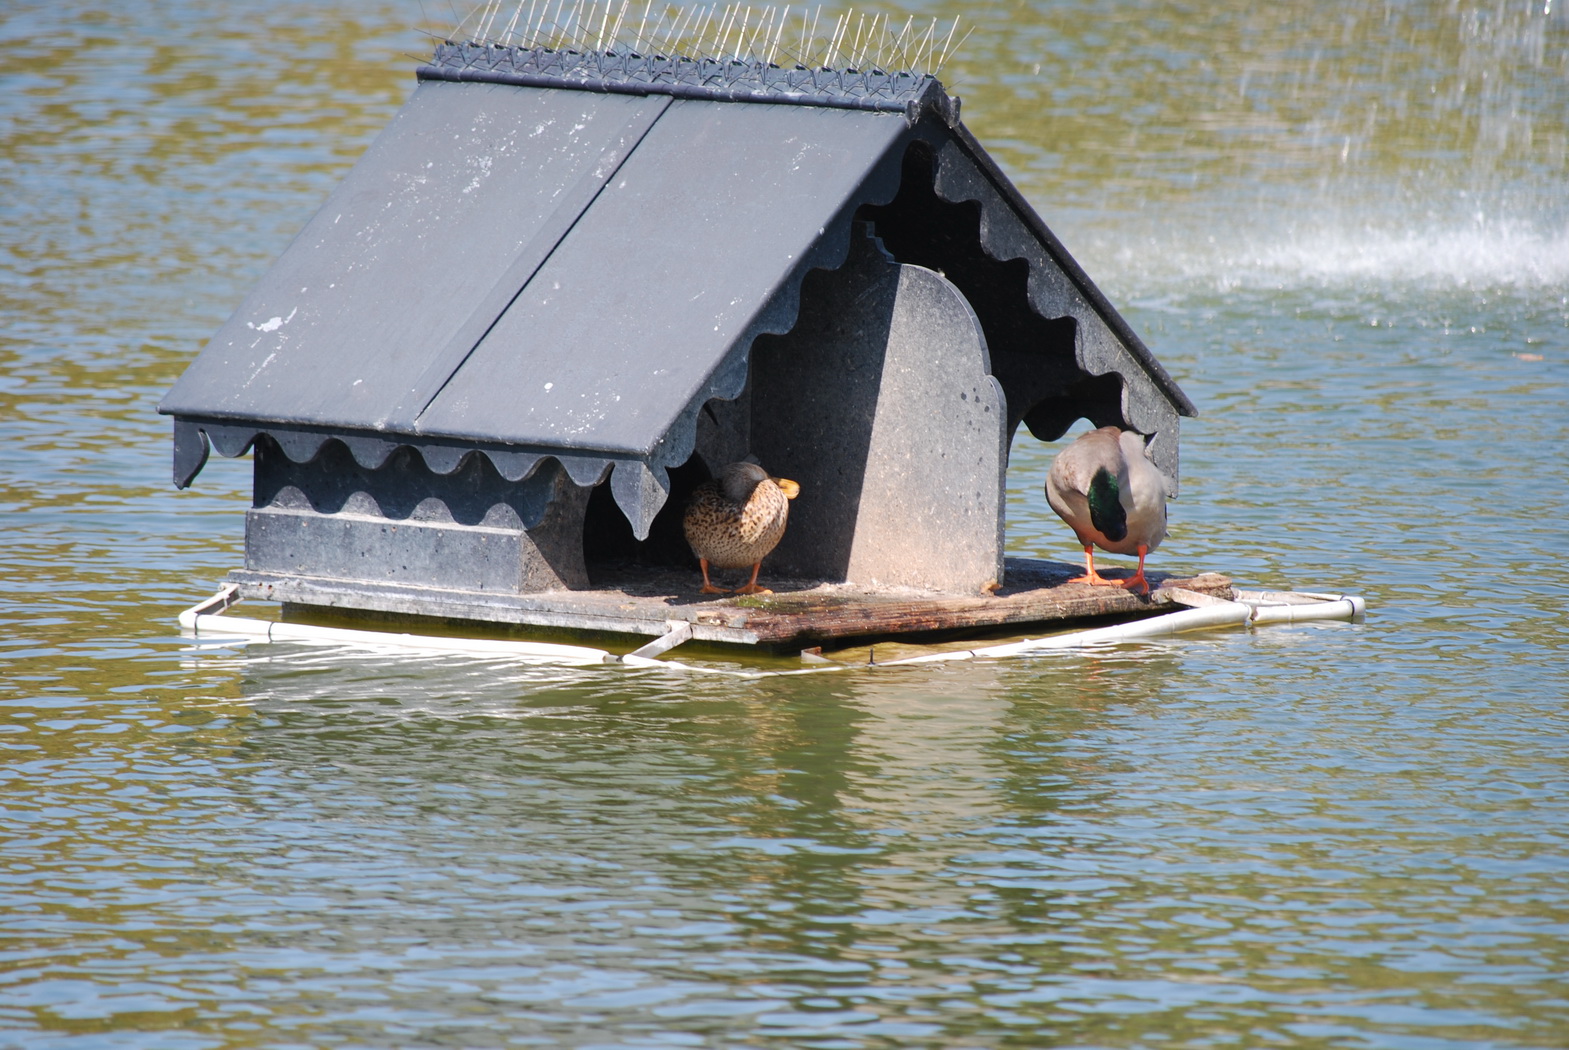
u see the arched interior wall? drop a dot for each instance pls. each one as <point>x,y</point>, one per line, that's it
<point>1034,358</point>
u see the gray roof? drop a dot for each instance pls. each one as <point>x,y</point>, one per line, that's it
<point>543,272</point>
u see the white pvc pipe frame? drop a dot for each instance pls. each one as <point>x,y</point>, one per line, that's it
<point>205,619</point>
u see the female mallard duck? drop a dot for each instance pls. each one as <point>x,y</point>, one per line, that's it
<point>1112,497</point>
<point>736,519</point>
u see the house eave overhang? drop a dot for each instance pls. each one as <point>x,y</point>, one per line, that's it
<point>1070,267</point>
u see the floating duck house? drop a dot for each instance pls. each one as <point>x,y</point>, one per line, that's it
<point>562,288</point>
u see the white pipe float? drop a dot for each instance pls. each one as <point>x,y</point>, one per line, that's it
<point>1222,614</point>
<point>200,622</point>
<point>1297,606</point>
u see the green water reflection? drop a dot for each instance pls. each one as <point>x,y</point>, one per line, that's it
<point>1016,855</point>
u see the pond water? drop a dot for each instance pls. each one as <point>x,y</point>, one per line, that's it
<point>1343,227</point>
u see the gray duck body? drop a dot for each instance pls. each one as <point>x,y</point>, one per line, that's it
<point>1110,494</point>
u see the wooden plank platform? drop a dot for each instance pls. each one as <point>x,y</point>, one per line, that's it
<point>644,602</point>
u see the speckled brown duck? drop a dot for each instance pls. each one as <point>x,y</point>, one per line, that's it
<point>734,520</point>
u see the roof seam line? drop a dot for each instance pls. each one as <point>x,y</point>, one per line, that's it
<point>637,130</point>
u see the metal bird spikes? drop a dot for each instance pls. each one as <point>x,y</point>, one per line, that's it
<point>770,35</point>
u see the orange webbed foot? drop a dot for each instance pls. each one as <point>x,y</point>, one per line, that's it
<point>1136,582</point>
<point>709,588</point>
<point>751,587</point>
<point>1096,581</point>
<point>1090,576</point>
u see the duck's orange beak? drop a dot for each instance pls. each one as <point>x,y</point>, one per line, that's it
<point>788,487</point>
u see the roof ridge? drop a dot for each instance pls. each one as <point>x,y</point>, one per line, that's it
<point>723,79</point>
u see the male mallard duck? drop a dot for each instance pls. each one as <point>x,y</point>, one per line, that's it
<point>736,519</point>
<point>1112,497</point>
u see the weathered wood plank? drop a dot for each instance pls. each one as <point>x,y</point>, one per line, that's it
<point>641,601</point>
<point>1036,594</point>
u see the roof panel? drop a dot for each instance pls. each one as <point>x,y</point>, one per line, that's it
<point>442,209</point>
<point>665,274</point>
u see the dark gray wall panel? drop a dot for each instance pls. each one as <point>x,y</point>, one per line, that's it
<point>881,405</point>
